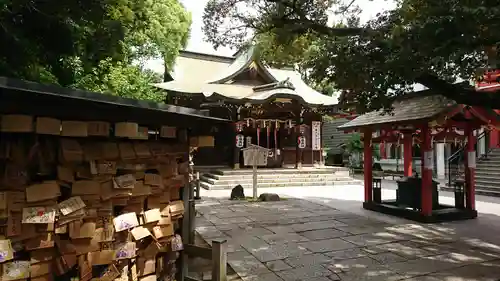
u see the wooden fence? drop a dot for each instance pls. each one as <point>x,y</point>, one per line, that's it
<point>217,254</point>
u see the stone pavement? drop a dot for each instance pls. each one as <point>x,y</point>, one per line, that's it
<point>300,240</point>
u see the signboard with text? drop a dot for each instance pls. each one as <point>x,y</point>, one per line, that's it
<point>255,155</point>
<point>316,135</point>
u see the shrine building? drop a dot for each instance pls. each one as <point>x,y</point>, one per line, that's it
<point>270,107</point>
<point>426,121</point>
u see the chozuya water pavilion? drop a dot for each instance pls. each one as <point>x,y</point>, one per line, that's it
<point>270,107</point>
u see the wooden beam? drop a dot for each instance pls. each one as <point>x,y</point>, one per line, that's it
<point>198,251</point>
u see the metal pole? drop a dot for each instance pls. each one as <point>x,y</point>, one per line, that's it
<point>219,260</point>
<point>198,186</point>
<point>185,232</point>
<point>255,154</point>
<point>254,184</point>
<point>192,217</point>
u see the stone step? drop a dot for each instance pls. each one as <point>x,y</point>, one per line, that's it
<point>487,182</point>
<point>480,190</point>
<point>491,157</point>
<point>266,175</point>
<point>277,185</point>
<point>283,180</point>
<point>488,177</point>
<point>487,169</point>
<point>282,171</point>
<point>487,187</point>
<point>493,162</point>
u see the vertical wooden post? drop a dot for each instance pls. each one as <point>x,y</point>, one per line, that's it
<point>236,150</point>
<point>192,217</point>
<point>310,144</point>
<point>493,138</point>
<point>408,154</point>
<point>198,186</point>
<point>258,135</point>
<point>368,164</point>
<point>192,209</point>
<point>470,169</point>
<point>298,150</point>
<point>183,260</point>
<point>383,154</point>
<point>321,157</point>
<point>254,181</point>
<point>219,260</point>
<point>427,168</point>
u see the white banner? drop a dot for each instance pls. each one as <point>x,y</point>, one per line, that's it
<point>316,135</point>
<point>428,160</point>
<point>471,159</point>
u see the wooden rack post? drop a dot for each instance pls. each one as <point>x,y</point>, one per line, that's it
<point>218,255</point>
<point>219,260</point>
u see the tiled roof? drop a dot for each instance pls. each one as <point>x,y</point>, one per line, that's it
<point>412,108</point>
<point>211,75</point>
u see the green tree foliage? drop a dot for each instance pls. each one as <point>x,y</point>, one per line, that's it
<point>430,42</point>
<point>355,145</point>
<point>121,79</point>
<point>97,45</point>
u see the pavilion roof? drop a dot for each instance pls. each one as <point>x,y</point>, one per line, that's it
<point>213,77</point>
<point>419,106</point>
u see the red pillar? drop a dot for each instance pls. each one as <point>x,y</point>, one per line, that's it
<point>470,169</point>
<point>368,164</point>
<point>408,154</point>
<point>427,164</point>
<point>493,138</point>
<point>383,155</point>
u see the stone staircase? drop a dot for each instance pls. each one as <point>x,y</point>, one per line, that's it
<point>487,175</point>
<point>267,178</point>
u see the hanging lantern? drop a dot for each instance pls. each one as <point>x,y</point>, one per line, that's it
<point>248,122</point>
<point>289,123</point>
<point>239,127</point>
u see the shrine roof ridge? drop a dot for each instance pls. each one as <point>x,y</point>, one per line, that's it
<point>207,56</point>
<point>414,107</point>
<point>216,80</point>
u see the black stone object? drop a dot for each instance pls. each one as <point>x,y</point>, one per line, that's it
<point>237,192</point>
<point>269,197</point>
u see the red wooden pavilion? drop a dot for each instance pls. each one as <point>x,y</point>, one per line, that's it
<point>423,118</point>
